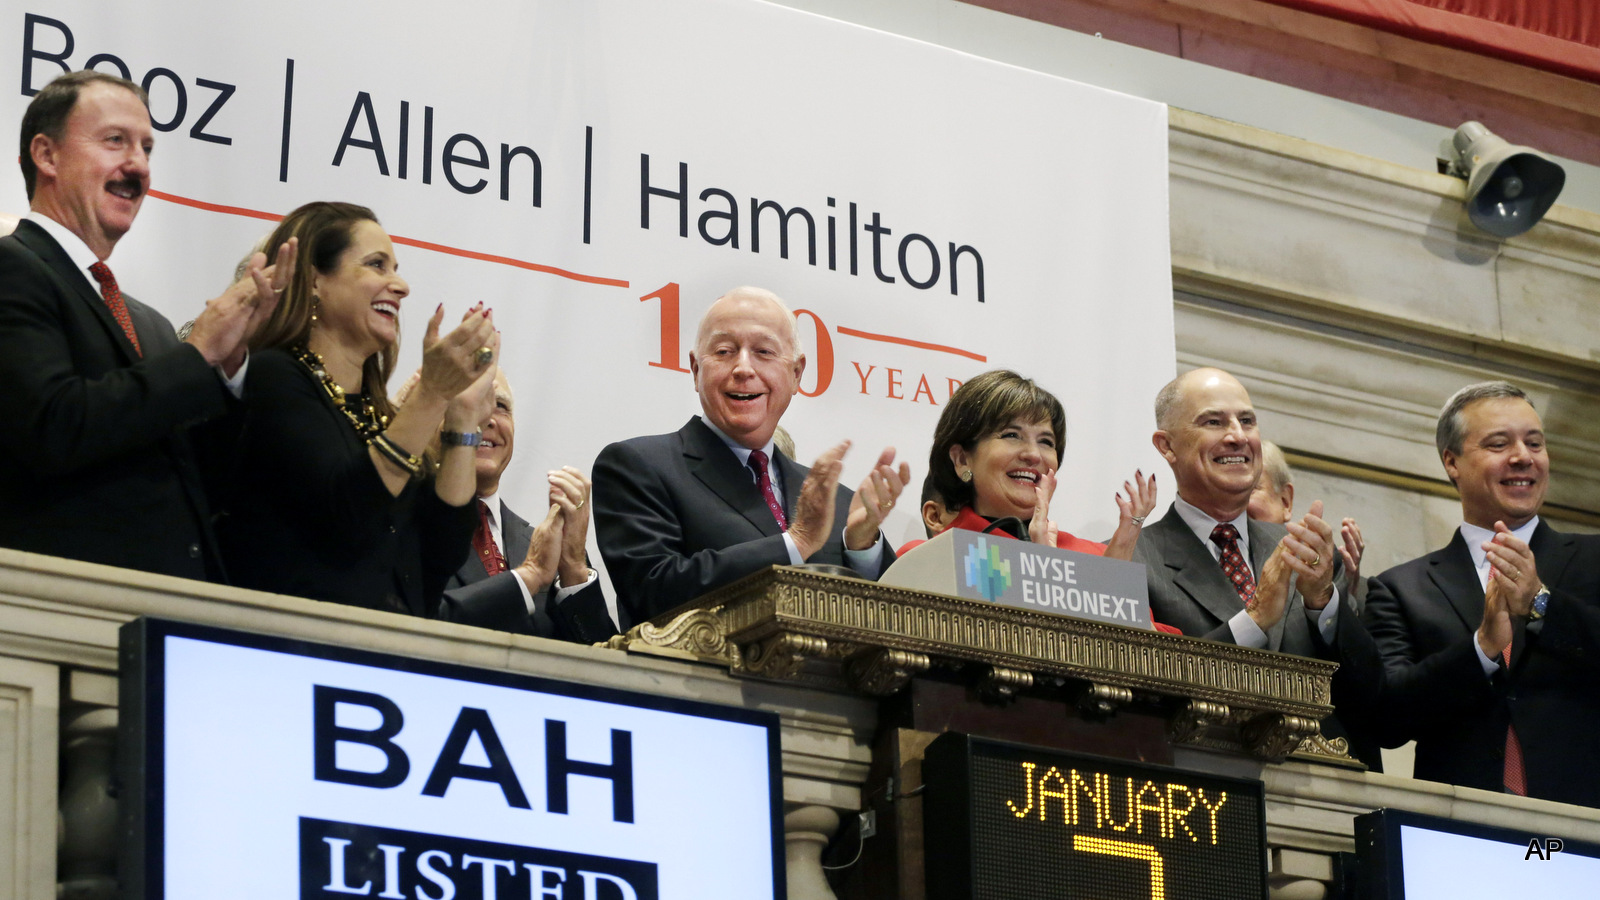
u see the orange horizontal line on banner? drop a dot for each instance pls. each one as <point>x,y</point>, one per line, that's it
<point>888,339</point>
<point>215,207</point>
<point>508,261</point>
<point>410,242</point>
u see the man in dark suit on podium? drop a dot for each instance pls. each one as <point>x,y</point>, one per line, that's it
<point>1492,644</point>
<point>520,578</point>
<point>678,515</point>
<point>98,391</point>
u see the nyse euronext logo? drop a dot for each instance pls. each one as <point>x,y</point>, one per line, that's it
<point>985,571</point>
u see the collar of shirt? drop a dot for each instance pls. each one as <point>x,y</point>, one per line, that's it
<point>1202,525</point>
<point>76,249</point>
<point>493,502</point>
<point>1476,537</point>
<point>743,453</point>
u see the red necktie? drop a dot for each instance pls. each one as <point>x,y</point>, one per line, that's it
<point>758,461</point>
<point>483,541</point>
<point>113,297</point>
<point>1226,537</point>
<point>1515,779</point>
<point>1513,776</point>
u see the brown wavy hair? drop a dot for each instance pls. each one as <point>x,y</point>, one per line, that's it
<point>325,230</point>
<point>982,406</point>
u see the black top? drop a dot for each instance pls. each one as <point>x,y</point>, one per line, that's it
<point>307,513</point>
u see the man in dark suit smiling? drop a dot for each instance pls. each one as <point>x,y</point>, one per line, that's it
<point>99,392</point>
<point>1491,646</point>
<point>678,515</point>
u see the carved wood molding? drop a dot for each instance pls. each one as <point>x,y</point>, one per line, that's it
<point>851,635</point>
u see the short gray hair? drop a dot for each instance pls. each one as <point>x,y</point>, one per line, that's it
<point>1451,431</point>
<point>1167,403</point>
<point>1276,467</point>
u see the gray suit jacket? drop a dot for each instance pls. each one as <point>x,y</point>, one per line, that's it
<point>474,597</point>
<point>1189,592</point>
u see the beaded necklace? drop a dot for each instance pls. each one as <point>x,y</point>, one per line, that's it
<point>368,424</point>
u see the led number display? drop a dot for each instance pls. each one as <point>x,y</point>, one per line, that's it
<point>1004,821</point>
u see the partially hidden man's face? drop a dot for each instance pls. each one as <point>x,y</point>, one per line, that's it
<point>1268,504</point>
<point>1503,469</point>
<point>745,367</point>
<point>499,437</point>
<point>1214,448</point>
<point>95,177</point>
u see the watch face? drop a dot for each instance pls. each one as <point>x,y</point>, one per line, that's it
<point>1541,600</point>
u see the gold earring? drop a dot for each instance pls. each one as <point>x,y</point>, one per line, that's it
<point>966,475</point>
<point>316,304</point>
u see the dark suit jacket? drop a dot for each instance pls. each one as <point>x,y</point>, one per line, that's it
<point>1425,614</point>
<point>97,464</point>
<point>677,516</point>
<point>1189,591</point>
<point>307,514</point>
<point>473,597</point>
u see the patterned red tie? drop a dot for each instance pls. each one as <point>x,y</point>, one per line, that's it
<point>1226,537</point>
<point>113,297</point>
<point>758,461</point>
<point>483,541</point>
<point>1515,778</point>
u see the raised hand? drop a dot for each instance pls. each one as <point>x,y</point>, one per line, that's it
<point>813,509</point>
<point>538,568</point>
<point>470,408</point>
<point>1309,553</point>
<point>450,363</point>
<point>1272,589</point>
<point>569,492</point>
<point>1353,547</point>
<point>1512,562</point>
<point>873,500</point>
<point>223,331</point>
<point>1041,528</point>
<point>1133,511</point>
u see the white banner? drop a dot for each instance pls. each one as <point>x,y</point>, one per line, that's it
<point>945,214</point>
<point>276,769</point>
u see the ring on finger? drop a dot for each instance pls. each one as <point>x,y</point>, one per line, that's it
<point>581,503</point>
<point>1316,560</point>
<point>483,356</point>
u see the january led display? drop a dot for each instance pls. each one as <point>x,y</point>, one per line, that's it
<point>257,767</point>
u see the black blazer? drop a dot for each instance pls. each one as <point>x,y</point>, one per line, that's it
<point>473,597</point>
<point>1189,592</point>
<point>677,516</point>
<point>307,514</point>
<point>97,464</point>
<point>1424,615</point>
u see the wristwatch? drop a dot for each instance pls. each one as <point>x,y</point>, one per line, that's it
<point>460,438</point>
<point>1541,602</point>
